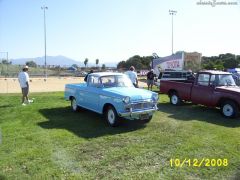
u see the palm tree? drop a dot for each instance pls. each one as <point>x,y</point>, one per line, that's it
<point>97,61</point>
<point>85,62</point>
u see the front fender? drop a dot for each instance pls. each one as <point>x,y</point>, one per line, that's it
<point>117,103</point>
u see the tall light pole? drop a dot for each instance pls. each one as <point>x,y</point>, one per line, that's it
<point>45,41</point>
<point>172,12</point>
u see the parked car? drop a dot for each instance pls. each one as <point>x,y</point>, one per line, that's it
<point>210,88</point>
<point>81,74</point>
<point>172,75</point>
<point>114,96</point>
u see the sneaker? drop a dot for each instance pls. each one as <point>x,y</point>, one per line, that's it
<point>30,101</point>
<point>23,104</point>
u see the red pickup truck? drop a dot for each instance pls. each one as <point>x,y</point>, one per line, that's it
<point>209,88</point>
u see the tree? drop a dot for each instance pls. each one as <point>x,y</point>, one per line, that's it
<point>75,66</point>
<point>85,62</point>
<point>31,64</point>
<point>97,61</point>
<point>223,61</point>
<point>137,61</point>
<point>5,61</point>
<point>103,66</point>
<point>121,65</point>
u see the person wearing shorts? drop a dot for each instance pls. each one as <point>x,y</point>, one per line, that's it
<point>150,79</point>
<point>23,79</point>
<point>133,76</point>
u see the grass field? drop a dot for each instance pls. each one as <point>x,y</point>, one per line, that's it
<point>46,140</point>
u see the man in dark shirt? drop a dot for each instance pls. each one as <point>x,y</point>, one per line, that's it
<point>85,79</point>
<point>150,79</point>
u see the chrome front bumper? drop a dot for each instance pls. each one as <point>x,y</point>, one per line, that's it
<point>137,113</point>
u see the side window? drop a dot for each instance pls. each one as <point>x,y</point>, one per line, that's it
<point>184,75</point>
<point>108,81</point>
<point>203,79</point>
<point>93,81</point>
<point>166,75</point>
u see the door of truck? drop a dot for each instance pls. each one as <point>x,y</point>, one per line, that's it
<point>202,90</point>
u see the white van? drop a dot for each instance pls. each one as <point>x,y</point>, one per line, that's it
<point>173,75</point>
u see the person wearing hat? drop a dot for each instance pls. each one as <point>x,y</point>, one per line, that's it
<point>133,76</point>
<point>23,79</point>
<point>150,79</point>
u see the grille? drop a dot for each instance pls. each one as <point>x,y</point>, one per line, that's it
<point>145,105</point>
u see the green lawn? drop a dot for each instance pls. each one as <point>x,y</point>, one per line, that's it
<point>46,140</point>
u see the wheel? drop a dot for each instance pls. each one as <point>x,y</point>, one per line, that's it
<point>145,121</point>
<point>74,105</point>
<point>112,116</point>
<point>174,99</point>
<point>229,109</point>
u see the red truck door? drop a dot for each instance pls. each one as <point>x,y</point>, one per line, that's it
<point>202,92</point>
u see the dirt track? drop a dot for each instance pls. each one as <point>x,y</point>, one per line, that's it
<point>11,85</point>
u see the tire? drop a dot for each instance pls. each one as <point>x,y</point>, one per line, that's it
<point>74,105</point>
<point>111,116</point>
<point>145,121</point>
<point>229,109</point>
<point>175,99</point>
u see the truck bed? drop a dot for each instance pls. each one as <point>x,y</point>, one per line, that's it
<point>70,89</point>
<point>183,88</point>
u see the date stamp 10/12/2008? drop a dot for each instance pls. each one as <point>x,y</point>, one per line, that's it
<point>204,162</point>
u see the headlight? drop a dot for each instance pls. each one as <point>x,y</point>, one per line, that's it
<point>155,97</point>
<point>126,100</point>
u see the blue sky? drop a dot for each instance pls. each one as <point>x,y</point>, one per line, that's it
<point>114,30</point>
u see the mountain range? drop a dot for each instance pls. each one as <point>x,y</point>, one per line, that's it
<point>57,61</point>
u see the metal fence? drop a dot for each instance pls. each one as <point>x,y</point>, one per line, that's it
<point>12,71</point>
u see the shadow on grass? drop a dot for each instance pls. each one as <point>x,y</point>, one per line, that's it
<point>85,123</point>
<point>188,112</point>
<point>6,106</point>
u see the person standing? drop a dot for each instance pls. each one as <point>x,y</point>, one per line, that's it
<point>150,79</point>
<point>133,76</point>
<point>23,79</point>
<point>85,78</point>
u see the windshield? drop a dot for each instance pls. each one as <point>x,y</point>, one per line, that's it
<point>116,81</point>
<point>225,80</point>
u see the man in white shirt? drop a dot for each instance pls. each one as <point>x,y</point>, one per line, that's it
<point>133,76</point>
<point>23,79</point>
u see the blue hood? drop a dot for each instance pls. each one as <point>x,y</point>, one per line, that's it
<point>135,94</point>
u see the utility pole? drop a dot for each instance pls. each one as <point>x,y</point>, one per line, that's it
<point>172,13</point>
<point>45,41</point>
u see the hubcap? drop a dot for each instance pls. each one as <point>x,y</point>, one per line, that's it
<point>227,110</point>
<point>111,116</point>
<point>174,99</point>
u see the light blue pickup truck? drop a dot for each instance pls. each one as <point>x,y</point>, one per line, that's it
<point>114,96</point>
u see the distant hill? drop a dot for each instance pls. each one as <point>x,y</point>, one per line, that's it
<point>57,61</point>
<point>51,60</point>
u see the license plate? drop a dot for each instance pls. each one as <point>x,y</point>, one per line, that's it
<point>144,116</point>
